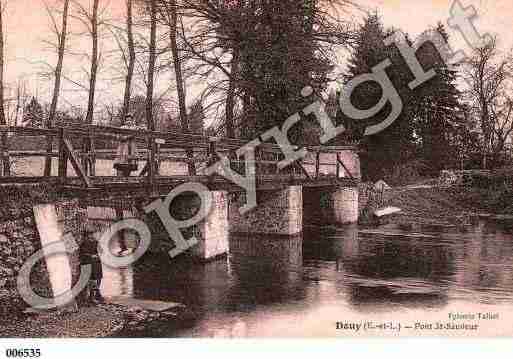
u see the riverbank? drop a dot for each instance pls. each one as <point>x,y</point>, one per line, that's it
<point>88,322</point>
<point>97,321</point>
<point>433,204</point>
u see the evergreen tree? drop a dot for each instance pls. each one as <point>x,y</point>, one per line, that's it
<point>425,134</point>
<point>396,144</point>
<point>438,108</point>
<point>279,57</point>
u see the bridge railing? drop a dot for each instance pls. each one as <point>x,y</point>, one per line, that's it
<point>85,147</point>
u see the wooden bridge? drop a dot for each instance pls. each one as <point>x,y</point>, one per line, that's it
<point>84,157</point>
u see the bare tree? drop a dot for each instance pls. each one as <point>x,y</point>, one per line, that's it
<point>150,83</point>
<point>151,64</point>
<point>2,110</point>
<point>4,138</point>
<point>232,87</point>
<point>16,102</point>
<point>61,34</point>
<point>234,44</point>
<point>91,21</point>
<point>169,13</point>
<point>130,62</point>
<point>489,74</point>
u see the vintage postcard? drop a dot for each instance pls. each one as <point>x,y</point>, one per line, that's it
<point>255,169</point>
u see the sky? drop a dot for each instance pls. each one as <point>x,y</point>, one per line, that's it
<point>27,26</point>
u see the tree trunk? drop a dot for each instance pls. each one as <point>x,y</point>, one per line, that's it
<point>94,63</point>
<point>149,91</point>
<point>87,146</point>
<point>131,61</point>
<point>180,88</point>
<point>6,166</point>
<point>3,120</point>
<point>151,65</point>
<point>57,84</point>
<point>230,96</point>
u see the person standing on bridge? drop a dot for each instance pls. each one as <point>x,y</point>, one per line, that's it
<point>126,156</point>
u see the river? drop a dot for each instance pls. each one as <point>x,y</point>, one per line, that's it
<point>421,279</point>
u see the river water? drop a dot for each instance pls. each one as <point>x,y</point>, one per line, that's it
<point>390,280</point>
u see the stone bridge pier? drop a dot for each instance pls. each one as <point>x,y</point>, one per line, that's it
<point>330,206</point>
<point>284,211</point>
<point>335,205</point>
<point>278,212</point>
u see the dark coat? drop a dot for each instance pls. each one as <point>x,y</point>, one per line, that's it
<point>89,256</point>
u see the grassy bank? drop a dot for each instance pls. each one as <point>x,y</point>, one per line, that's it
<point>448,205</point>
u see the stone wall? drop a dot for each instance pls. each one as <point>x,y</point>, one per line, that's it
<point>19,240</point>
<point>277,212</point>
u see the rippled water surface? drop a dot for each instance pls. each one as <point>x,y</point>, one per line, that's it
<point>302,286</point>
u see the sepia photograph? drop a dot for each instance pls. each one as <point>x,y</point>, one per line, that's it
<point>254,169</point>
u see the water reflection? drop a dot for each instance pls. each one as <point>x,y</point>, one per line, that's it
<point>264,270</point>
<point>484,264</point>
<point>298,286</point>
<point>117,282</point>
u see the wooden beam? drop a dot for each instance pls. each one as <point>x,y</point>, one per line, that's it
<point>151,164</point>
<point>345,168</point>
<point>29,131</point>
<point>63,159</point>
<point>76,163</point>
<point>317,164</point>
<point>27,180</point>
<point>92,157</point>
<point>4,153</point>
<point>303,170</point>
<point>31,154</point>
<point>144,171</point>
<point>338,165</point>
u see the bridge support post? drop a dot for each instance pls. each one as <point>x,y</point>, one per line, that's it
<point>277,212</point>
<point>4,155</point>
<point>333,205</point>
<point>213,241</point>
